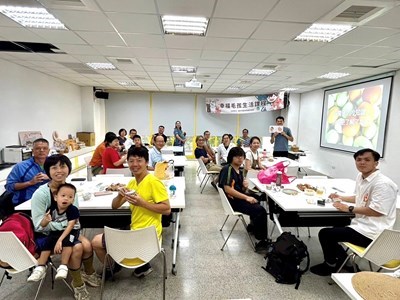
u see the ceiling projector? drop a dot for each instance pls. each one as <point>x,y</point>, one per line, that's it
<point>193,84</point>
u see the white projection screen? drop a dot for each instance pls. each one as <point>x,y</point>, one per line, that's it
<point>354,116</point>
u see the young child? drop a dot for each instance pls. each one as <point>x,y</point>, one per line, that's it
<point>59,241</point>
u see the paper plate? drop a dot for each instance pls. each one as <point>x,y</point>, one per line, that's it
<point>291,192</point>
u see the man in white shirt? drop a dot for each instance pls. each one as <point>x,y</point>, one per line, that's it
<point>374,208</point>
<point>155,154</point>
<point>223,149</point>
<point>129,141</point>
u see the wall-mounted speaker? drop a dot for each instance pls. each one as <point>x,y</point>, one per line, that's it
<point>101,94</point>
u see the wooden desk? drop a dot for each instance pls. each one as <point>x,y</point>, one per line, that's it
<point>97,212</point>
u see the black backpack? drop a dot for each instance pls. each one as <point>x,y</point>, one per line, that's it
<point>284,258</point>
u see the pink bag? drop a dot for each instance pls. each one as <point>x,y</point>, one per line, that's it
<point>269,175</point>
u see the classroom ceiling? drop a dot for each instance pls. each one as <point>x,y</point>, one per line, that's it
<point>242,35</point>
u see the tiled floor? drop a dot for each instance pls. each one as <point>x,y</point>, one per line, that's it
<point>203,270</point>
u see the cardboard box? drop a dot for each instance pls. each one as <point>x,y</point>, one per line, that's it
<point>87,137</point>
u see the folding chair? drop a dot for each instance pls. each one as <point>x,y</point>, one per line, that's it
<point>132,249</point>
<point>207,174</point>
<point>15,254</point>
<point>383,252</point>
<point>230,212</point>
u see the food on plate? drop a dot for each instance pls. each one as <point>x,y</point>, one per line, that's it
<point>114,187</point>
<point>291,192</point>
<point>303,186</point>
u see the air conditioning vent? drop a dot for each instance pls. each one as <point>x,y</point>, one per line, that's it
<point>356,13</point>
<point>124,61</point>
<point>269,67</point>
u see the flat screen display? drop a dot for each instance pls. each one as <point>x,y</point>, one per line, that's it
<point>354,116</point>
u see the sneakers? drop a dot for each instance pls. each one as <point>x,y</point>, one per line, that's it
<point>62,272</point>
<point>143,270</point>
<point>38,274</point>
<point>92,280</point>
<point>80,292</point>
<point>262,245</point>
<point>323,269</point>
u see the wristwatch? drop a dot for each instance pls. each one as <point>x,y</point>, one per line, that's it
<point>351,208</point>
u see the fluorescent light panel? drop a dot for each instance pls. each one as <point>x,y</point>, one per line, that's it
<point>261,72</point>
<point>235,87</point>
<point>34,17</point>
<point>333,75</point>
<point>180,85</point>
<point>127,83</point>
<point>183,69</point>
<point>101,66</point>
<point>323,32</point>
<point>289,89</point>
<point>184,25</point>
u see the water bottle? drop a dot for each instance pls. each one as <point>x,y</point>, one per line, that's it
<point>278,178</point>
<point>264,154</point>
<point>89,173</point>
<point>172,190</point>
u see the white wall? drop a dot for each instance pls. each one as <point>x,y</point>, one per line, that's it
<point>30,100</point>
<point>145,111</point>
<point>341,164</point>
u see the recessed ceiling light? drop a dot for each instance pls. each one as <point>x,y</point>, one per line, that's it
<point>32,17</point>
<point>101,66</point>
<point>289,89</point>
<point>235,87</point>
<point>333,75</point>
<point>183,69</point>
<point>323,32</point>
<point>184,25</point>
<point>261,72</point>
<point>127,83</point>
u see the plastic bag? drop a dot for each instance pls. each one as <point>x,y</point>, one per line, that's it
<point>269,175</point>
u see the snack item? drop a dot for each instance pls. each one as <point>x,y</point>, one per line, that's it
<point>114,187</point>
<point>303,186</point>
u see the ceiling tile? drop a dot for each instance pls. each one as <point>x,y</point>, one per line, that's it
<point>102,38</point>
<point>196,8</point>
<point>135,23</point>
<point>279,31</point>
<point>231,28</point>
<point>59,36</point>
<point>225,44</point>
<point>365,36</point>
<point>78,49</point>
<point>301,11</point>
<point>84,20</point>
<point>128,6</point>
<point>238,9</point>
<point>190,54</point>
<point>217,55</point>
<point>263,46</point>
<point>20,35</point>
<point>144,40</point>
<point>389,19</point>
<point>184,42</point>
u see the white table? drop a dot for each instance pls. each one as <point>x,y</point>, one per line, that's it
<point>171,149</point>
<point>293,167</point>
<point>98,209</point>
<point>179,160</point>
<point>298,203</point>
<point>343,280</point>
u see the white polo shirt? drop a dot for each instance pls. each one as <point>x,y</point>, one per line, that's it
<point>223,152</point>
<point>379,193</point>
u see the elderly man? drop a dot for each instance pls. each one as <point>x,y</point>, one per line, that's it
<point>374,206</point>
<point>161,129</point>
<point>28,175</point>
<point>155,154</point>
